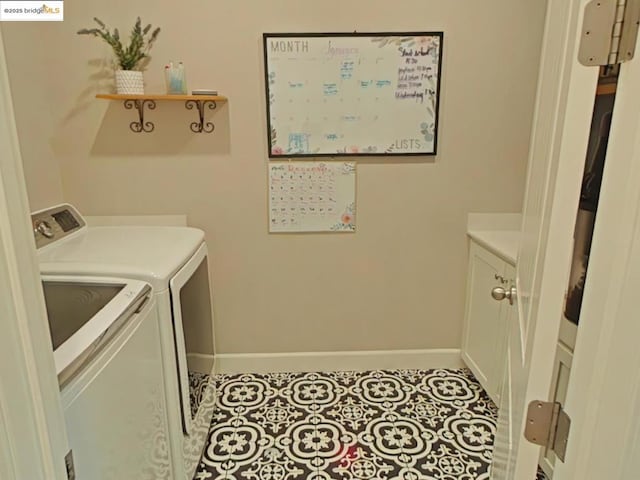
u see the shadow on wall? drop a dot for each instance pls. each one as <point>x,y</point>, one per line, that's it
<point>107,122</point>
<point>100,79</point>
<point>171,132</point>
<point>393,160</point>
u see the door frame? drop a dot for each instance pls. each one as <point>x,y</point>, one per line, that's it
<point>33,438</point>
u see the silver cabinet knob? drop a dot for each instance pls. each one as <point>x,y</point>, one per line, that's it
<point>500,293</point>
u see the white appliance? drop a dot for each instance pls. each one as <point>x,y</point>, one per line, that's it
<point>106,339</point>
<point>174,261</point>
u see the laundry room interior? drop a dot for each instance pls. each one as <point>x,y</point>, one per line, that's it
<point>364,346</point>
<point>406,263</point>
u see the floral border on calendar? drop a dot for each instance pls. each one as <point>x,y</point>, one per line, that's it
<point>348,168</point>
<point>347,220</point>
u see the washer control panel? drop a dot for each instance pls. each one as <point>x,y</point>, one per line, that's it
<point>55,223</point>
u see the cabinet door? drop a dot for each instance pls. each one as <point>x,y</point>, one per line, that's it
<point>482,327</point>
<point>508,314</point>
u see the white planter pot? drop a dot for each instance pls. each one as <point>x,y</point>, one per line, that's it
<point>129,82</point>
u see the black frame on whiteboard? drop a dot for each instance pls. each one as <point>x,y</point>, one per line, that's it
<point>266,36</point>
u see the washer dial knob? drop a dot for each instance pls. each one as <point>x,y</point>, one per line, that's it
<point>44,228</point>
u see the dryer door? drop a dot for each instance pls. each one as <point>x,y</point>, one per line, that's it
<point>192,326</point>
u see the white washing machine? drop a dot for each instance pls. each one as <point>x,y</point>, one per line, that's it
<point>173,260</point>
<point>106,340</point>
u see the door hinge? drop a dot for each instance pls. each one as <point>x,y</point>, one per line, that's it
<point>68,461</point>
<point>548,425</point>
<point>609,32</point>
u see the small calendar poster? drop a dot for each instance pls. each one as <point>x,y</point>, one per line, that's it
<point>312,197</point>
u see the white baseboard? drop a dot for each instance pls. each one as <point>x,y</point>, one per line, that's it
<point>201,363</point>
<point>337,361</point>
<point>480,376</point>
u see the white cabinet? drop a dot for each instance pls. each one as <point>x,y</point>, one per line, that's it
<point>486,319</point>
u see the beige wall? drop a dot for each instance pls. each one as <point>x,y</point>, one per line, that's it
<point>28,73</point>
<point>399,281</point>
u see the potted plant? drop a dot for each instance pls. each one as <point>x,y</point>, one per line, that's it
<point>129,77</point>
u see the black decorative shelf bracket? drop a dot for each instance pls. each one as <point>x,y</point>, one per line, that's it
<point>200,126</point>
<point>140,125</point>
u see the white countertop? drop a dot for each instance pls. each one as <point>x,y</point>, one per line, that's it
<point>497,232</point>
<point>503,243</point>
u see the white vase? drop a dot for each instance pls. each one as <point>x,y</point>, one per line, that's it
<point>129,82</point>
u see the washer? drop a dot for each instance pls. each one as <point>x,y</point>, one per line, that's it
<point>106,340</point>
<point>174,261</point>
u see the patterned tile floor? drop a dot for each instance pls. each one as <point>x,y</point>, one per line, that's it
<point>197,389</point>
<point>378,425</point>
<point>541,475</point>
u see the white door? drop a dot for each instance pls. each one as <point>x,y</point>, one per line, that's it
<point>565,97</point>
<point>33,440</point>
<point>603,398</point>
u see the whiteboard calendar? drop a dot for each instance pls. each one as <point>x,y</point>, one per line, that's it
<point>312,197</point>
<point>344,94</point>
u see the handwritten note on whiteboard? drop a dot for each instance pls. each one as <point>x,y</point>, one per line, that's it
<point>312,197</point>
<point>352,93</point>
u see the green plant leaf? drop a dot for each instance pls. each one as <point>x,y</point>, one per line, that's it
<point>140,42</point>
<point>88,31</point>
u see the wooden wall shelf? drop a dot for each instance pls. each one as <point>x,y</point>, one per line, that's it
<point>139,102</point>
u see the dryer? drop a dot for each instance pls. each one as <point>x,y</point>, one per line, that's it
<point>174,261</point>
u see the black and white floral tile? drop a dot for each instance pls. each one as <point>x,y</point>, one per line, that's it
<point>382,425</point>
<point>541,475</point>
<point>198,383</point>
